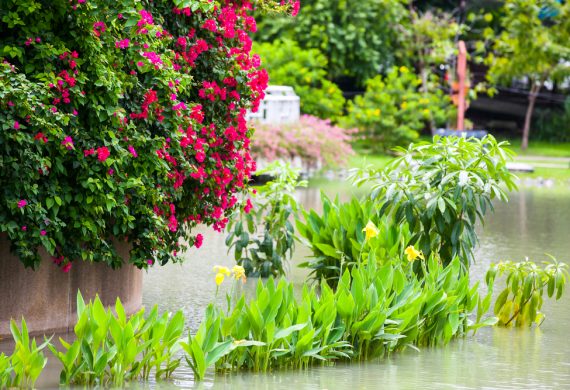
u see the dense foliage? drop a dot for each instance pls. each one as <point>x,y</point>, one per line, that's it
<point>375,310</point>
<point>123,120</point>
<point>544,57</point>
<point>359,39</point>
<point>337,239</point>
<point>305,70</point>
<point>316,141</point>
<point>441,190</point>
<point>552,125</point>
<point>393,110</point>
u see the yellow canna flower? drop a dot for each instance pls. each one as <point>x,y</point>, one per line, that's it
<point>219,278</point>
<point>239,272</point>
<point>371,230</point>
<point>403,69</point>
<point>222,270</point>
<point>413,254</point>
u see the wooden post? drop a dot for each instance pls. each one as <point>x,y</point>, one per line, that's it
<point>461,71</point>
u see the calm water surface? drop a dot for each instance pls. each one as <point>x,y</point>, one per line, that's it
<point>535,221</point>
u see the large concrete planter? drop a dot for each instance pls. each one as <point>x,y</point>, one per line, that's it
<point>46,298</point>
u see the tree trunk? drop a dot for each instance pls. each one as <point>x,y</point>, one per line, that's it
<point>528,117</point>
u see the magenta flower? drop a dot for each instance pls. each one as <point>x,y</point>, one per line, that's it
<point>22,203</point>
<point>199,240</point>
<point>99,28</point>
<point>123,44</point>
<point>133,151</point>
<point>16,125</point>
<point>24,228</point>
<point>66,267</point>
<point>103,153</point>
<point>43,232</point>
<point>67,142</point>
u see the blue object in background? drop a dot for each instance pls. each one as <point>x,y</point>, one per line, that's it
<point>465,133</point>
<point>548,12</point>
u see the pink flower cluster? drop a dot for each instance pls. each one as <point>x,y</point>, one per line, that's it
<point>313,139</point>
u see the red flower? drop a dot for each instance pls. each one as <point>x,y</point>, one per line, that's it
<point>103,153</point>
<point>198,241</point>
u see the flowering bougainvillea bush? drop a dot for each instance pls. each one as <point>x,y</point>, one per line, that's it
<point>312,139</point>
<point>123,120</point>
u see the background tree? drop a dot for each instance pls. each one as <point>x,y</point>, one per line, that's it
<point>359,38</point>
<point>534,44</point>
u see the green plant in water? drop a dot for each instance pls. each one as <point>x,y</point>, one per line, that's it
<point>440,189</point>
<point>262,234</point>
<point>520,302</point>
<point>377,308</point>
<point>26,363</point>
<point>111,349</point>
<point>5,372</point>
<point>203,349</point>
<point>337,240</point>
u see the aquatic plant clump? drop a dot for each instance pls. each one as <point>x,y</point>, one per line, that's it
<point>123,120</point>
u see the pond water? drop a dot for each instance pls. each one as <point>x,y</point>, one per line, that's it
<point>533,222</point>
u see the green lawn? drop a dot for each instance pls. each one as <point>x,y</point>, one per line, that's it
<point>540,148</point>
<point>536,155</point>
<point>362,159</point>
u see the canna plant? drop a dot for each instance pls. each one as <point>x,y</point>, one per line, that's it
<point>520,302</point>
<point>337,240</point>
<point>377,308</point>
<point>262,234</point>
<point>112,349</point>
<point>5,372</point>
<point>27,361</point>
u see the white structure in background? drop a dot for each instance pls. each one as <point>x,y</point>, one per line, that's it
<point>280,105</point>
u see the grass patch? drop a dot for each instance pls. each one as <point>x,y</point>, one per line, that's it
<point>541,148</point>
<point>362,159</point>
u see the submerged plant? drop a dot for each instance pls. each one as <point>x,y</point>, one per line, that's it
<point>520,302</point>
<point>262,234</point>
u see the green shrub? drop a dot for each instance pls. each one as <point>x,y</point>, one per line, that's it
<point>359,38</point>
<point>337,241</point>
<point>393,111</point>
<point>306,71</point>
<point>520,302</point>
<point>316,141</point>
<point>552,125</point>
<point>440,189</point>
<point>261,234</point>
